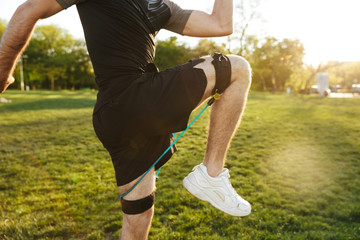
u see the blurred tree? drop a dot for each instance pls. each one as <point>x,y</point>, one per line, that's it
<point>79,70</point>
<point>169,53</point>
<point>54,57</point>
<point>245,14</point>
<point>207,47</point>
<point>345,74</point>
<point>274,62</point>
<point>251,43</point>
<point>314,71</point>
<point>247,10</point>
<point>298,78</point>
<point>45,54</point>
<point>2,27</point>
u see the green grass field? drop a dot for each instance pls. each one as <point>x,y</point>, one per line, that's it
<point>296,159</point>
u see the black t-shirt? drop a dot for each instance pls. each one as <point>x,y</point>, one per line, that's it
<point>120,37</point>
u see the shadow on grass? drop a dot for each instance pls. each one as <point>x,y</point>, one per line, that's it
<point>48,104</point>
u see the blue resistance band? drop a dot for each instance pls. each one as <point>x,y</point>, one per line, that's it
<point>207,105</point>
<point>158,171</point>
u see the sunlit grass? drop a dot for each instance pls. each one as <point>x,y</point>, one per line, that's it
<point>295,158</point>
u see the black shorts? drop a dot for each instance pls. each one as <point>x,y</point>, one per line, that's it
<point>136,125</point>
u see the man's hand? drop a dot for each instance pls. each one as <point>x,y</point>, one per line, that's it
<point>6,84</point>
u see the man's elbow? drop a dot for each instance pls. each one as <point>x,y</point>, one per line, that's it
<point>34,10</point>
<point>225,30</point>
<point>224,26</point>
<point>25,12</point>
<point>228,30</point>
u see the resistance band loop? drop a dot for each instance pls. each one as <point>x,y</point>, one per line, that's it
<point>210,102</point>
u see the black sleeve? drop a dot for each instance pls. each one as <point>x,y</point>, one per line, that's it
<point>178,19</point>
<point>67,3</point>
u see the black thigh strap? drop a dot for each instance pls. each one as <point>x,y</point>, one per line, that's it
<point>138,206</point>
<point>222,72</point>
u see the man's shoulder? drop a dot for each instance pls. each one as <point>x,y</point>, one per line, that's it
<point>179,17</point>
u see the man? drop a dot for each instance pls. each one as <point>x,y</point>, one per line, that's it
<point>138,108</point>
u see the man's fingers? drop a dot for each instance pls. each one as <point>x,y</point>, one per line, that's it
<point>11,80</point>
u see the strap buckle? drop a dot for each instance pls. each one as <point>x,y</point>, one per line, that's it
<point>214,98</point>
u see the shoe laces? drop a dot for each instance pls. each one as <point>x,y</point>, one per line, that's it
<point>225,177</point>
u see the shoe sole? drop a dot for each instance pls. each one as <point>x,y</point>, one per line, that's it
<point>196,192</point>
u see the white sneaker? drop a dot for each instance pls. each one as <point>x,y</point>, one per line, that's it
<point>216,190</point>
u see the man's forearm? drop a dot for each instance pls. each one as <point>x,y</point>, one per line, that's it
<point>18,33</point>
<point>14,40</point>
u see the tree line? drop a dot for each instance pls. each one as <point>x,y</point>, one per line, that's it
<point>56,60</point>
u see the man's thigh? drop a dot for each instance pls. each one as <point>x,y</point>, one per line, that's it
<point>218,70</point>
<point>209,71</point>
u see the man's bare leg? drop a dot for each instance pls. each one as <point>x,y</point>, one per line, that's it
<point>136,227</point>
<point>209,181</point>
<point>225,113</point>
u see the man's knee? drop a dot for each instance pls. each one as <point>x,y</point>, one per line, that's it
<point>141,198</point>
<point>145,216</point>
<point>240,70</point>
<point>138,206</point>
<point>222,67</point>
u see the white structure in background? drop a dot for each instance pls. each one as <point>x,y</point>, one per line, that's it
<point>355,88</point>
<point>323,84</point>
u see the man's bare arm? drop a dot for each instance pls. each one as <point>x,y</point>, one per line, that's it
<point>218,23</point>
<point>18,33</point>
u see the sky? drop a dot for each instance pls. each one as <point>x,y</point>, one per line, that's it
<point>327,28</point>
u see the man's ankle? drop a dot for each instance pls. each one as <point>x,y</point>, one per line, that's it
<point>213,171</point>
